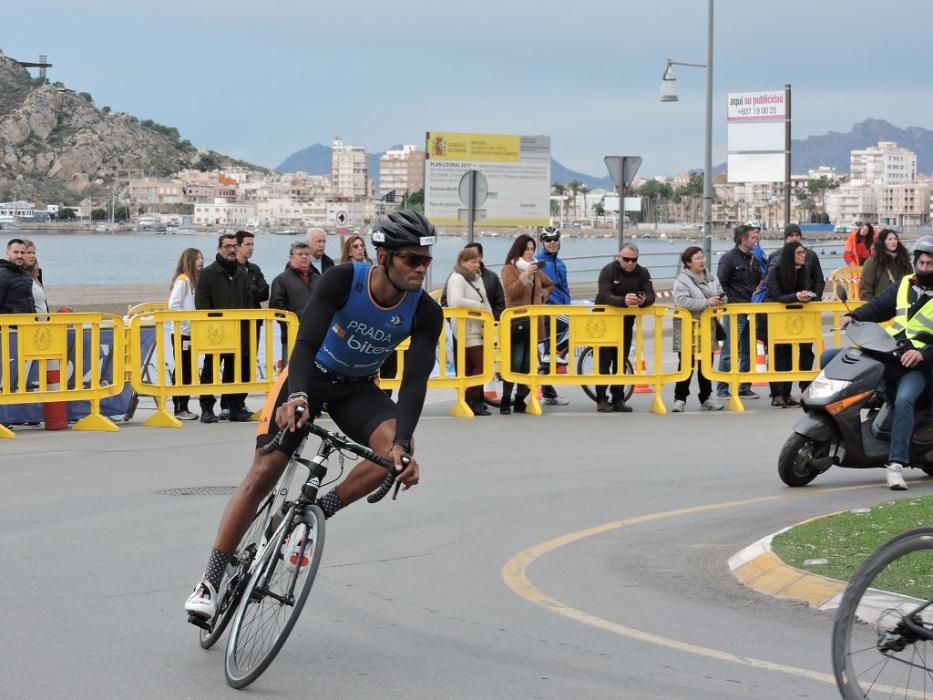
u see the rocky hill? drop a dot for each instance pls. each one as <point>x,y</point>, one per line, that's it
<point>56,145</point>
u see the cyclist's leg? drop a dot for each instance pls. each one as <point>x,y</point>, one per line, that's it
<point>367,416</point>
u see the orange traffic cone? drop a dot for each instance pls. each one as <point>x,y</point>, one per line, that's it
<point>761,362</point>
<point>643,388</point>
<point>55,412</point>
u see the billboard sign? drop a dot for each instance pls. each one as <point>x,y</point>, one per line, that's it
<point>756,136</point>
<point>516,170</point>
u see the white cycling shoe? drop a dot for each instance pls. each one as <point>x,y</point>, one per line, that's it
<point>895,477</point>
<point>202,601</point>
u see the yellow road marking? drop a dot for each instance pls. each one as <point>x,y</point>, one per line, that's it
<point>514,573</point>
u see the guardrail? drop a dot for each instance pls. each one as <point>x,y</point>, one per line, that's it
<point>456,379</point>
<point>229,336</point>
<point>599,328</point>
<point>88,348</point>
<point>784,324</point>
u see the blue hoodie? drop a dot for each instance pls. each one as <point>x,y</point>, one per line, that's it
<point>555,268</point>
<point>762,258</point>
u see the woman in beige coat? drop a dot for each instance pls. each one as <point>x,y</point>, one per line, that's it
<point>524,285</point>
<point>465,290</point>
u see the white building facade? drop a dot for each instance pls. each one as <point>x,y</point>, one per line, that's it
<point>224,213</point>
<point>884,164</point>
<point>401,170</point>
<point>349,170</point>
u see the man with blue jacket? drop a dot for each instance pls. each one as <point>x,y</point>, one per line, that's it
<point>556,270</point>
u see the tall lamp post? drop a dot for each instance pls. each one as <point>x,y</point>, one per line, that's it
<point>669,94</point>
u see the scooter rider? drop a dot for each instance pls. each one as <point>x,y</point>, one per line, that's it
<point>910,305</point>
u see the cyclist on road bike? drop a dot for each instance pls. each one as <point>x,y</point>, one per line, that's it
<point>357,316</point>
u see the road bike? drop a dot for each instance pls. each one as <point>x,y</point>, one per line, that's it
<point>882,644</point>
<point>269,578</point>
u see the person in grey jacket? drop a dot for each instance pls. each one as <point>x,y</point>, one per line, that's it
<point>291,290</point>
<point>695,290</point>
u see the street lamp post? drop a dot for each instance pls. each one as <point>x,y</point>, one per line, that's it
<point>669,94</point>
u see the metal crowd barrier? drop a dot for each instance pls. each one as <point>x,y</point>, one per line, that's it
<point>599,328</point>
<point>230,334</point>
<point>60,358</point>
<point>784,324</point>
<point>456,379</point>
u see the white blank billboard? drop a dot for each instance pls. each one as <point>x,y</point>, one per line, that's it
<point>756,167</point>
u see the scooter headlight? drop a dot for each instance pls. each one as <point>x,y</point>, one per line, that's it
<point>823,387</point>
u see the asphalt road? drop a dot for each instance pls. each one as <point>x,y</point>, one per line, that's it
<point>438,595</point>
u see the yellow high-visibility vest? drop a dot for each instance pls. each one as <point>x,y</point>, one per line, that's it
<point>921,322</point>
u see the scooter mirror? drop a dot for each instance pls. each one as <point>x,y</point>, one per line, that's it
<point>841,293</point>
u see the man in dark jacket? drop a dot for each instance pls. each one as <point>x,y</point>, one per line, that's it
<point>258,287</point>
<point>224,285</point>
<point>739,275</point>
<point>15,281</point>
<point>292,289</point>
<point>320,261</point>
<point>623,283</point>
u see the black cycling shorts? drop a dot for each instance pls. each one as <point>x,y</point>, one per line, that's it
<point>357,408</point>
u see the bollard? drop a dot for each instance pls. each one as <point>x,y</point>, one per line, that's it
<point>56,412</point>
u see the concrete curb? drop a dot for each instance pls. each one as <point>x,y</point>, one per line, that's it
<point>760,569</point>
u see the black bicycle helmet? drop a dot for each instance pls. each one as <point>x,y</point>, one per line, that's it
<point>403,228</point>
<point>549,233</point>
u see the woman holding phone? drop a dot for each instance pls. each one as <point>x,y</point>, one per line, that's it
<point>789,283</point>
<point>524,285</point>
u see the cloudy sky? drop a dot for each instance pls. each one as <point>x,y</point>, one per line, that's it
<point>260,80</point>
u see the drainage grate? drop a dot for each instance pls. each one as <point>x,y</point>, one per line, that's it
<point>198,491</point>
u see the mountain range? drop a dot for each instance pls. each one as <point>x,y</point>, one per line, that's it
<point>830,149</point>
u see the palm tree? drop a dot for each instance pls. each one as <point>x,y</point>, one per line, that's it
<point>574,187</point>
<point>583,190</point>
<point>559,190</point>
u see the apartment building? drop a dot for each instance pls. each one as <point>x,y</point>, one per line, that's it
<point>905,205</point>
<point>853,203</point>
<point>349,170</point>
<point>155,194</point>
<point>220,212</point>
<point>401,170</point>
<point>884,164</point>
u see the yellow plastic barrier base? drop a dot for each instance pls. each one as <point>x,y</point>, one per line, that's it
<point>657,405</point>
<point>735,403</point>
<point>461,409</point>
<point>96,422</point>
<point>534,405</point>
<point>162,419</point>
<point>257,416</point>
<point>6,433</point>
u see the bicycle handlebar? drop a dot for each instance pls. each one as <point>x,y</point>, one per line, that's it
<point>343,443</point>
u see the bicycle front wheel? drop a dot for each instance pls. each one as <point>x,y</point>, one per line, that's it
<point>274,597</point>
<point>883,632</point>
<point>586,366</point>
<point>234,580</point>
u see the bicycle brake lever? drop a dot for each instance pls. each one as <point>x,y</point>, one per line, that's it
<point>398,485</point>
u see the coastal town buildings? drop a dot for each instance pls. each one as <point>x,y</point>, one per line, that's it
<point>349,170</point>
<point>401,171</point>
<point>884,164</point>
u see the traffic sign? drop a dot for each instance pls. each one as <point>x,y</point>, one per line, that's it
<point>622,169</point>
<point>481,188</point>
<point>341,217</point>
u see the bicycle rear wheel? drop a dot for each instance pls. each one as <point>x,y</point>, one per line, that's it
<point>273,599</point>
<point>585,366</point>
<point>883,632</point>
<point>234,580</point>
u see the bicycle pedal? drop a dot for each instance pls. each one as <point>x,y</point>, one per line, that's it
<point>199,621</point>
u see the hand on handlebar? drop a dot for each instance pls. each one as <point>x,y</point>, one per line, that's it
<point>845,321</point>
<point>911,358</point>
<point>287,415</point>
<point>409,475</point>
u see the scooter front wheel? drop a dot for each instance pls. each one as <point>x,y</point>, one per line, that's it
<point>795,461</point>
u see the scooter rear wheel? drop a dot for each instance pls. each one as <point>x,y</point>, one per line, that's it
<point>794,462</point>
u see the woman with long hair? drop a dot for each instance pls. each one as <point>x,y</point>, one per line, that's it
<point>38,288</point>
<point>524,285</point>
<point>465,290</point>
<point>857,248</point>
<point>889,261</point>
<point>695,290</point>
<point>354,250</point>
<point>789,282</point>
<point>181,298</point>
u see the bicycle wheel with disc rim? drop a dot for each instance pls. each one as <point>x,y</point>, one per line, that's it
<point>585,366</point>
<point>234,580</point>
<point>883,632</point>
<point>273,599</point>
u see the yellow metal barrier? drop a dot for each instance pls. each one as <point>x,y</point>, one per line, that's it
<point>146,308</point>
<point>598,327</point>
<point>848,277</point>
<point>233,334</point>
<point>457,380</point>
<point>55,342</point>
<point>787,324</point>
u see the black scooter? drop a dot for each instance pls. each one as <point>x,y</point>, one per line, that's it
<point>833,431</point>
